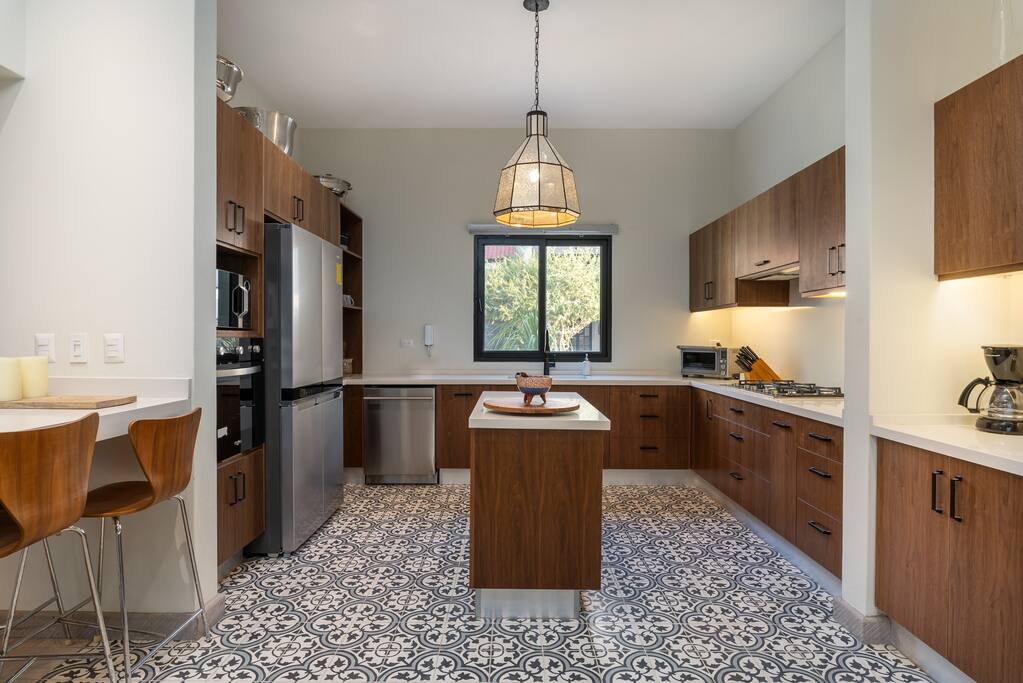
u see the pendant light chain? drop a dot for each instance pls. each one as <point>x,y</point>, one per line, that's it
<point>536,58</point>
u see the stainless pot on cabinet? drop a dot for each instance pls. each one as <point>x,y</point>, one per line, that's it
<point>277,126</point>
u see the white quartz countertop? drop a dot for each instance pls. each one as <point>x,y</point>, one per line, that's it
<point>829,410</point>
<point>954,436</point>
<point>587,418</point>
<point>156,398</point>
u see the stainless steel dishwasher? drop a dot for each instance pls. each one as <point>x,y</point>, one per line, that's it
<point>399,429</point>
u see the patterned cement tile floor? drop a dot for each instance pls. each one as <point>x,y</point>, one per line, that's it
<point>381,593</point>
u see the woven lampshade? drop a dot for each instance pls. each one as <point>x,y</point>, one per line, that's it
<point>537,186</point>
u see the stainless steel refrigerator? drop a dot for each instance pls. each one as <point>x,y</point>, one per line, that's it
<point>302,360</point>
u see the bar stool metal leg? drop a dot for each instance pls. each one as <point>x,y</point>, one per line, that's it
<point>195,568</point>
<point>104,639</point>
<point>56,588</point>
<point>14,605</point>
<point>125,639</point>
<point>99,571</point>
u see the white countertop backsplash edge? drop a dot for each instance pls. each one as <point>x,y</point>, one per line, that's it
<point>953,435</point>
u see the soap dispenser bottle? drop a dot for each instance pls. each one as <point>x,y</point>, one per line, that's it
<point>586,365</point>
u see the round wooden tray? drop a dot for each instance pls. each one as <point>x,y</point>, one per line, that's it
<point>515,406</point>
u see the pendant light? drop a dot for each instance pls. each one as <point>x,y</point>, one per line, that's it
<point>537,186</point>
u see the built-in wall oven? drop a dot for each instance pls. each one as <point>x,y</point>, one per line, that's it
<point>240,405</point>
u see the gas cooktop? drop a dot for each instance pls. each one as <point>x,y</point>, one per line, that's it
<point>790,389</point>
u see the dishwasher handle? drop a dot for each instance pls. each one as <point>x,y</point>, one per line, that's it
<point>397,398</point>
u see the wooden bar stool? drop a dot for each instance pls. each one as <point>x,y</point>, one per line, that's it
<point>164,449</point>
<point>44,477</point>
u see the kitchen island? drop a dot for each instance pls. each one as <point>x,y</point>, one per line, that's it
<point>535,509</point>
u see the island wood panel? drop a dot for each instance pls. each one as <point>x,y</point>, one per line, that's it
<point>535,509</point>
<point>978,176</point>
<point>353,435</point>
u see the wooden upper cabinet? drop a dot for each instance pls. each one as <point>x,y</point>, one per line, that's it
<point>820,217</point>
<point>239,181</point>
<point>285,186</point>
<point>765,231</point>
<point>711,272</point>
<point>978,176</point>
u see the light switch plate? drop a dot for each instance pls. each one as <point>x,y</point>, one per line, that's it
<point>79,348</point>
<point>113,347</point>
<point>407,343</point>
<point>46,345</point>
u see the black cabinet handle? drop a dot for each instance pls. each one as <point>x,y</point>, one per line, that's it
<point>295,216</point>
<point>831,271</point>
<point>781,425</point>
<point>233,497</point>
<point>708,409</point>
<point>934,491</point>
<point>240,224</point>
<point>736,476</point>
<point>762,262</point>
<point>245,488</point>
<point>232,216</point>
<point>819,437</point>
<point>820,528</point>
<point>649,417</point>
<point>740,411</point>
<point>706,291</point>
<point>301,209</point>
<point>841,259</point>
<point>713,289</point>
<point>649,448</point>
<point>820,473</point>
<point>649,395</point>
<point>952,487</point>
<point>462,394</point>
<point>737,437</point>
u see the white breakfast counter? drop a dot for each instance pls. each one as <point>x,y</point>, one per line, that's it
<point>156,398</point>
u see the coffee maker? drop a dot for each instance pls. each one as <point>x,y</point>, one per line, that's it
<point>1000,402</point>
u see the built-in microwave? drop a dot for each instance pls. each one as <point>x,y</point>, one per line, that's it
<point>233,301</point>
<point>709,361</point>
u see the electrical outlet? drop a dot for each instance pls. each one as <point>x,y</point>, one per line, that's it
<point>113,347</point>
<point>46,345</point>
<point>79,348</point>
<point>407,343</point>
<point>715,342</point>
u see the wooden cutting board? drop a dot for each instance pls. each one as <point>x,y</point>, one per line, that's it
<point>84,402</point>
<point>515,406</point>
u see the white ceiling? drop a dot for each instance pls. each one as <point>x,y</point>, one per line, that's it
<point>469,64</point>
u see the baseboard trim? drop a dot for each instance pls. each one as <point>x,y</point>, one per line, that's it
<point>354,475</point>
<point>649,477</point>
<point>936,666</point>
<point>457,476</point>
<point>158,622</point>
<point>874,629</point>
<point>822,576</point>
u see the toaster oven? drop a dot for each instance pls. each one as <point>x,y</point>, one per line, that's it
<point>709,361</point>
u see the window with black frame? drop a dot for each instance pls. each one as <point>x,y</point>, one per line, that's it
<point>532,291</point>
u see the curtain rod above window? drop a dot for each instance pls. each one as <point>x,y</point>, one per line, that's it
<point>575,229</point>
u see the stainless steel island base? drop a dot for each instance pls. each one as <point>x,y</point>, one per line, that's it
<point>526,603</point>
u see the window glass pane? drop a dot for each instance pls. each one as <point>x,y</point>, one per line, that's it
<point>511,283</point>
<point>573,298</point>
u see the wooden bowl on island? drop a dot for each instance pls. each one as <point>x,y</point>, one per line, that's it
<point>532,386</point>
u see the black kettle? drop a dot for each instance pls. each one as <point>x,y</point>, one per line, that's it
<point>964,397</point>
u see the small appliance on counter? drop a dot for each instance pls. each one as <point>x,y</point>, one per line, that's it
<point>1000,402</point>
<point>240,404</point>
<point>709,361</point>
<point>233,301</point>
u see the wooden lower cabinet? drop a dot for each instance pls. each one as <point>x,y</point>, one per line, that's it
<point>950,557</point>
<point>240,502</point>
<point>454,403</point>
<point>752,455</point>
<point>649,427</point>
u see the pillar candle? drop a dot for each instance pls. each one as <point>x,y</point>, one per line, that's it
<point>33,376</point>
<point>10,379</point>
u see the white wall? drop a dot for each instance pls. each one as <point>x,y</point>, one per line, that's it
<point>417,190</point>
<point>801,122</point>
<point>12,39</point>
<point>102,202</point>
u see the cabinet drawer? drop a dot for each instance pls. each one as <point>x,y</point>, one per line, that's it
<point>745,447</point>
<point>650,411</point>
<point>820,438</point>
<point>819,535</point>
<point>819,482</point>
<point>648,453</point>
<point>740,412</point>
